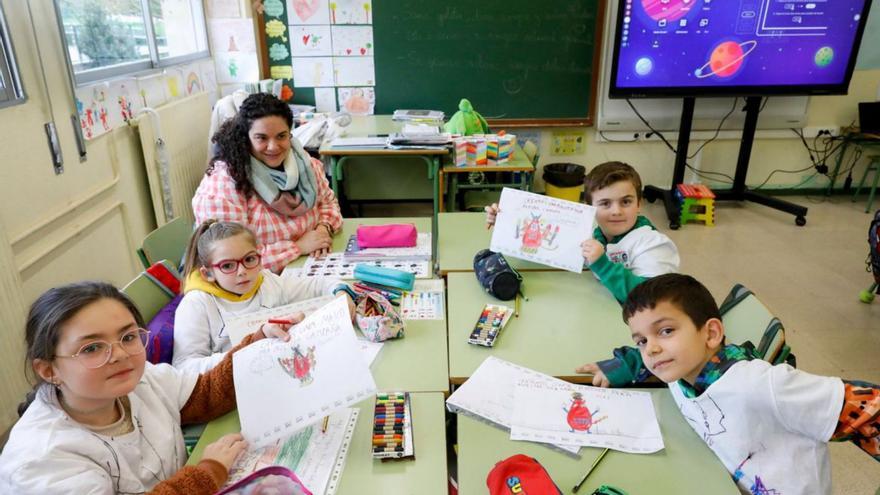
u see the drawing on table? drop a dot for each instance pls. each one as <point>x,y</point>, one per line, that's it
<point>536,234</point>
<point>300,366</point>
<point>579,416</point>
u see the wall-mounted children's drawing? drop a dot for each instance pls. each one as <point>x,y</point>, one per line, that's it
<point>325,99</point>
<point>235,67</point>
<point>568,142</point>
<point>173,84</point>
<point>560,412</point>
<point>232,35</point>
<point>283,387</point>
<point>124,101</point>
<point>192,80</point>
<point>351,12</point>
<point>357,101</point>
<point>151,90</point>
<point>95,107</point>
<point>542,229</point>
<point>310,41</point>
<point>308,12</point>
<point>354,71</point>
<point>352,41</point>
<point>309,72</point>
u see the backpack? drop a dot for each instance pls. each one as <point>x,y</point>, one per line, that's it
<point>873,260</point>
<point>496,276</point>
<point>519,474</point>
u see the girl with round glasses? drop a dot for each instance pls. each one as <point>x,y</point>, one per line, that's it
<point>101,419</point>
<point>224,278</point>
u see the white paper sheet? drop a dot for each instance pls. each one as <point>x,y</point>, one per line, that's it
<point>308,12</point>
<point>489,394</point>
<point>335,265</point>
<point>240,326</point>
<point>232,35</point>
<point>354,71</point>
<point>310,453</point>
<point>283,387</point>
<point>325,99</point>
<point>542,229</point>
<point>352,41</point>
<point>424,302</point>
<point>351,12</point>
<point>237,67</point>
<point>310,41</point>
<point>309,72</point>
<point>562,412</point>
<point>369,350</point>
<point>123,100</point>
<point>357,101</point>
<point>94,107</point>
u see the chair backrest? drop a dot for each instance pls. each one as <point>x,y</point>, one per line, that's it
<point>147,296</point>
<point>167,242</point>
<point>747,319</point>
<point>531,151</point>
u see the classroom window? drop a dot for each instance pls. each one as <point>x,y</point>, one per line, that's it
<point>11,91</point>
<point>110,38</point>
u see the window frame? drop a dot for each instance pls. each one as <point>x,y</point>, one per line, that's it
<point>13,92</point>
<point>91,76</point>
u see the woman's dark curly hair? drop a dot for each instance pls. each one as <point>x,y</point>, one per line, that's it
<point>233,144</point>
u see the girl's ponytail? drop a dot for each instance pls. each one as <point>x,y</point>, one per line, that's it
<point>193,260</point>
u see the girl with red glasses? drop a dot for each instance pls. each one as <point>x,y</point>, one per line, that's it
<point>225,278</point>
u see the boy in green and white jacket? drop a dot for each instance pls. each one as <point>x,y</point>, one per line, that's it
<point>625,249</point>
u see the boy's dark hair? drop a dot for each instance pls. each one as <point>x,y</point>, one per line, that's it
<point>605,174</point>
<point>682,291</point>
<point>233,143</point>
<point>55,308</point>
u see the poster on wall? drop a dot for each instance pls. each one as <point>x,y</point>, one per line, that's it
<point>353,41</point>
<point>351,12</point>
<point>357,101</point>
<point>308,12</point>
<point>93,107</point>
<point>123,100</point>
<point>354,71</point>
<point>309,72</point>
<point>310,41</point>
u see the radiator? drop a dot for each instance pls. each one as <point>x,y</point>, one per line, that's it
<point>174,138</point>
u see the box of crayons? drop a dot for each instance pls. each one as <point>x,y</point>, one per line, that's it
<point>392,426</point>
<point>489,325</point>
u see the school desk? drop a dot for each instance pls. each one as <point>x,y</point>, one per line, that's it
<point>424,475</point>
<point>871,142</point>
<point>570,319</point>
<point>461,236</point>
<point>685,465</point>
<point>519,162</point>
<point>362,126</point>
<point>418,362</point>
<point>350,226</point>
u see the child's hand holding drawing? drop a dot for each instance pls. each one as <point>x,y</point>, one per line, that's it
<point>599,378</point>
<point>279,328</point>
<point>592,250</point>
<point>491,212</point>
<point>226,449</point>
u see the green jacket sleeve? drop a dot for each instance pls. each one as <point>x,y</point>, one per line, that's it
<point>625,368</point>
<point>616,277</point>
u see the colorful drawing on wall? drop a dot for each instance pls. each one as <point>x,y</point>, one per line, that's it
<point>354,71</point>
<point>309,72</point>
<point>542,229</point>
<point>283,387</point>
<point>325,99</point>
<point>193,81</point>
<point>357,101</point>
<point>310,41</point>
<point>151,90</point>
<point>308,12</point>
<point>236,67</point>
<point>563,413</point>
<point>123,101</point>
<point>351,12</point>
<point>232,35</point>
<point>209,79</point>
<point>352,41</point>
<point>172,84</point>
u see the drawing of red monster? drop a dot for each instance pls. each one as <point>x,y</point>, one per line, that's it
<point>579,416</point>
<point>534,236</point>
<point>300,366</point>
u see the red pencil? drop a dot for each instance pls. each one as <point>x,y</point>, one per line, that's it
<point>279,321</point>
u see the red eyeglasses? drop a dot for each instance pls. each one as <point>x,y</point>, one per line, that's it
<point>250,260</point>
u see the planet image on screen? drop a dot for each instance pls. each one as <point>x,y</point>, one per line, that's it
<point>670,10</point>
<point>824,56</point>
<point>644,66</point>
<point>726,59</point>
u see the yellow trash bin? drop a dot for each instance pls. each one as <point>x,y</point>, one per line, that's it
<point>564,180</point>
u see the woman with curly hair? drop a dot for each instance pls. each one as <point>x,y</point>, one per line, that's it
<point>262,177</point>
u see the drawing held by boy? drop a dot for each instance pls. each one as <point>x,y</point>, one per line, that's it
<point>625,249</point>
<point>769,425</point>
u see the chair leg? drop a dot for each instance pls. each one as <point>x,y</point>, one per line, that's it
<point>874,185</point>
<point>862,182</point>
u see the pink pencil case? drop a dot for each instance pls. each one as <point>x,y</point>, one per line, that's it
<point>385,236</point>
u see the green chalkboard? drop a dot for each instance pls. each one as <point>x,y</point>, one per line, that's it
<point>531,62</point>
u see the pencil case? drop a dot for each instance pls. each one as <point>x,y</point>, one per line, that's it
<point>388,277</point>
<point>386,236</point>
<point>377,318</point>
<point>272,479</point>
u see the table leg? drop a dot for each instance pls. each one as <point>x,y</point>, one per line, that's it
<point>334,174</point>
<point>453,193</point>
<point>441,178</point>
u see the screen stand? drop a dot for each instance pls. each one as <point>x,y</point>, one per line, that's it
<point>739,191</point>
